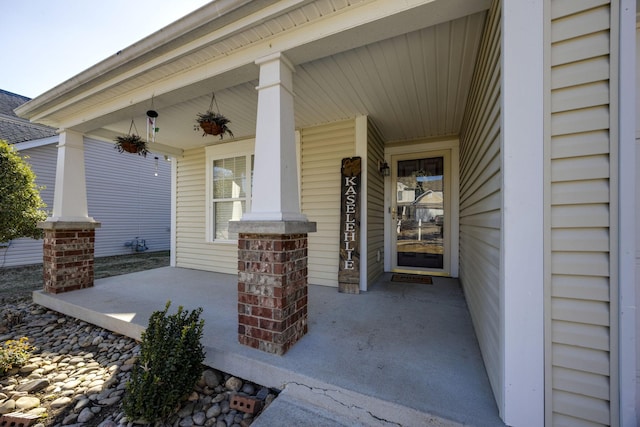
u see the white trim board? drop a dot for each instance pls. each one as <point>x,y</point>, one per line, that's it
<point>522,266</point>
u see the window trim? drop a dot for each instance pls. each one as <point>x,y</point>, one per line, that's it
<point>217,152</point>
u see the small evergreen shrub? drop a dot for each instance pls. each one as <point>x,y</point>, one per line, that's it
<point>169,365</point>
<point>21,207</point>
<point>14,354</point>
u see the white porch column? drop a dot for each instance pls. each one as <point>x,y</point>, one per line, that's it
<point>69,233</point>
<point>70,197</point>
<point>275,180</point>
<point>272,238</point>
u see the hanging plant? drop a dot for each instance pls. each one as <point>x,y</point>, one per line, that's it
<point>213,123</point>
<point>132,143</point>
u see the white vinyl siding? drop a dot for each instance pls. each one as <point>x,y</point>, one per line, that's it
<point>192,248</point>
<point>322,151</point>
<point>375,202</point>
<point>580,362</point>
<point>123,194</point>
<point>480,202</point>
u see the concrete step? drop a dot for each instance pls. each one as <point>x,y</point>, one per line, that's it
<point>301,405</point>
<point>289,411</point>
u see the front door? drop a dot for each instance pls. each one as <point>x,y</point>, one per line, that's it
<point>420,213</point>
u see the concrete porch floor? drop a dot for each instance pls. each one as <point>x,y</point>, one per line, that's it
<point>398,354</point>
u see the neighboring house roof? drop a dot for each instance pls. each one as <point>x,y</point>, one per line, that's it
<point>15,129</point>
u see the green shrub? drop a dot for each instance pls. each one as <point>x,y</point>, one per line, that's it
<point>14,353</point>
<point>169,365</point>
<point>20,204</point>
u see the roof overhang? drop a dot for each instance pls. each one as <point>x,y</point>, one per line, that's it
<point>214,49</point>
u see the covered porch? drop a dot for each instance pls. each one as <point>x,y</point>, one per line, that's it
<point>398,354</point>
<point>306,84</point>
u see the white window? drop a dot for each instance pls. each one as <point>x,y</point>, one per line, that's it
<point>229,182</point>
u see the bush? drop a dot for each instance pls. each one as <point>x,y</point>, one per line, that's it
<point>14,354</point>
<point>169,365</point>
<point>20,204</point>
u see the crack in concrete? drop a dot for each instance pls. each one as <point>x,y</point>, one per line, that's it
<point>326,391</point>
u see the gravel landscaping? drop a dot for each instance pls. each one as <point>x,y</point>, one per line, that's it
<point>77,372</point>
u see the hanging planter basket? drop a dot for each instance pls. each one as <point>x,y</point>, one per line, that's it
<point>132,143</point>
<point>213,123</point>
<point>129,147</point>
<point>210,128</point>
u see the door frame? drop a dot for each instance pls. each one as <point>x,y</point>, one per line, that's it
<point>426,148</point>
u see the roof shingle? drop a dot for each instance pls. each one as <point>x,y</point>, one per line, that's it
<point>15,129</point>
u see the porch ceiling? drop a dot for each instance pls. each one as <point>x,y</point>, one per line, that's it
<point>410,70</point>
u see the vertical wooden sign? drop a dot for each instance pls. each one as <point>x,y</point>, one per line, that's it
<point>349,269</point>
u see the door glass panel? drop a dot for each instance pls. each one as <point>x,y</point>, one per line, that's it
<point>420,213</point>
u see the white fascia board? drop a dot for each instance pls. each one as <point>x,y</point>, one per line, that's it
<point>19,146</point>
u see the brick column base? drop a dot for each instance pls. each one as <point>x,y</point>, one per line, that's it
<point>68,255</point>
<point>272,290</point>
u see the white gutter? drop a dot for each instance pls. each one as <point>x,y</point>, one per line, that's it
<point>19,146</point>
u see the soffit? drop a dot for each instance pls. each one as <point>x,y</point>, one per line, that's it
<point>412,83</point>
<point>196,50</point>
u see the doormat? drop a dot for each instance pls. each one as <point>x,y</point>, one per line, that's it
<point>412,278</point>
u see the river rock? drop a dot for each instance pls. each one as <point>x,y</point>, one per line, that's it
<point>34,386</point>
<point>27,402</point>
<point>211,378</point>
<point>214,411</point>
<point>82,387</point>
<point>7,406</point>
<point>199,418</point>
<point>27,369</point>
<point>233,384</point>
<point>60,402</point>
<point>85,415</point>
